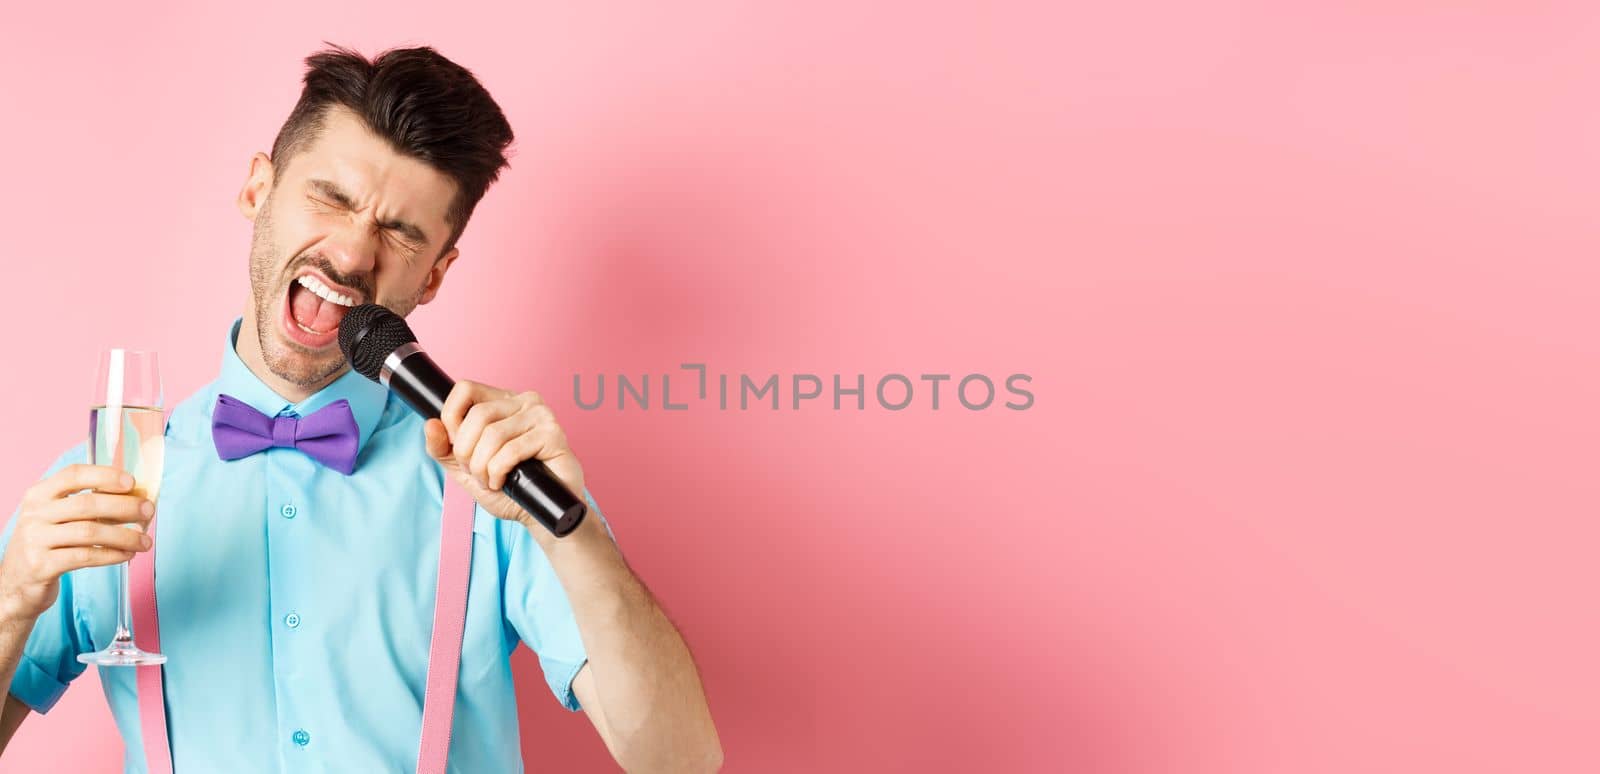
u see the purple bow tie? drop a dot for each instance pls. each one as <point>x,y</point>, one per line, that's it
<point>328,435</point>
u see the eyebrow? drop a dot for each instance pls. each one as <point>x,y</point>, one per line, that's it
<point>339,197</point>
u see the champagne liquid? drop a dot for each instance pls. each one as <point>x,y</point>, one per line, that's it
<point>131,438</point>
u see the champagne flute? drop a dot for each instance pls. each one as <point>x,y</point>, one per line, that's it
<point>127,430</point>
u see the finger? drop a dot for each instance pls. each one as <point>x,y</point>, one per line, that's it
<point>495,436</point>
<point>61,561</point>
<point>456,405</point>
<point>461,399</point>
<point>437,440</point>
<point>535,419</point>
<point>479,417</point>
<point>99,506</point>
<point>74,478</point>
<point>543,443</point>
<point>93,533</point>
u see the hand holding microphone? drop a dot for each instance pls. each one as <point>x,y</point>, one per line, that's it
<point>505,448</point>
<point>495,432</point>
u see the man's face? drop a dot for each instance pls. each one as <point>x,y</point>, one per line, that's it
<point>349,221</point>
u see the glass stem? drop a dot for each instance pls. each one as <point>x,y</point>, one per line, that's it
<point>124,607</point>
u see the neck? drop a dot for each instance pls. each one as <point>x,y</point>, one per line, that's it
<point>248,347</point>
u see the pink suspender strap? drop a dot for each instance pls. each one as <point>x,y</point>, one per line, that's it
<point>444,654</point>
<point>147,635</point>
<point>449,619</point>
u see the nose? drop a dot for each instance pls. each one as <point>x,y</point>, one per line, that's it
<point>352,249</point>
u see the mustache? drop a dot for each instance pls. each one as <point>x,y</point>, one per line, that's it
<point>358,282</point>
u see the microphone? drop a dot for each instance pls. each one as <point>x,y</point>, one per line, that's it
<point>381,347</point>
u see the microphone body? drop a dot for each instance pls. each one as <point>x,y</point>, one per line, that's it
<point>411,374</point>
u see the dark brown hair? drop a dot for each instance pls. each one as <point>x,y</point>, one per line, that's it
<point>425,105</point>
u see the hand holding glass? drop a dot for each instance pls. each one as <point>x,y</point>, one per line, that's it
<point>127,429</point>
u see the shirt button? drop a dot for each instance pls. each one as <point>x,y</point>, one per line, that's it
<point>301,737</point>
<point>288,511</point>
<point>292,620</point>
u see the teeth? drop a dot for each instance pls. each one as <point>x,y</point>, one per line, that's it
<point>316,286</point>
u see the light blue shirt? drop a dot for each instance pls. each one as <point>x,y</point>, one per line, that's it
<point>296,603</point>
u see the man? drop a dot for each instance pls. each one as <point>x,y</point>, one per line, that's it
<point>296,600</point>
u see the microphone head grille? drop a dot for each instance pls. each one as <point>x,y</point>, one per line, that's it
<point>368,334</point>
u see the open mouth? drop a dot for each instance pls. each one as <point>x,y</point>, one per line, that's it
<point>314,309</point>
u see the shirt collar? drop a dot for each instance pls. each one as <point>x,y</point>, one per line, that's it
<point>367,398</point>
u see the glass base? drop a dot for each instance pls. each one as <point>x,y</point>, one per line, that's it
<point>122,653</point>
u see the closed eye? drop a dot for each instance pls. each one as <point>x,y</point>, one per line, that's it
<point>325,192</point>
<point>408,233</point>
<point>401,240</point>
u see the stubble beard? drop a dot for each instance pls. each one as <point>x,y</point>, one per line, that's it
<point>285,359</point>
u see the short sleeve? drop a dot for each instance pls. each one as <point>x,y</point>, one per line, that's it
<point>50,657</point>
<point>537,608</point>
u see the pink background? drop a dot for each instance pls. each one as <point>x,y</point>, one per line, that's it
<point>1308,296</point>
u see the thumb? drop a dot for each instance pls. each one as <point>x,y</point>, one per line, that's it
<point>438,441</point>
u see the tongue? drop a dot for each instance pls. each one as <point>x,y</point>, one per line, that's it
<point>311,311</point>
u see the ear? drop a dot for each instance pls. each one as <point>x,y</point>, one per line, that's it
<point>436,275</point>
<point>257,185</point>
